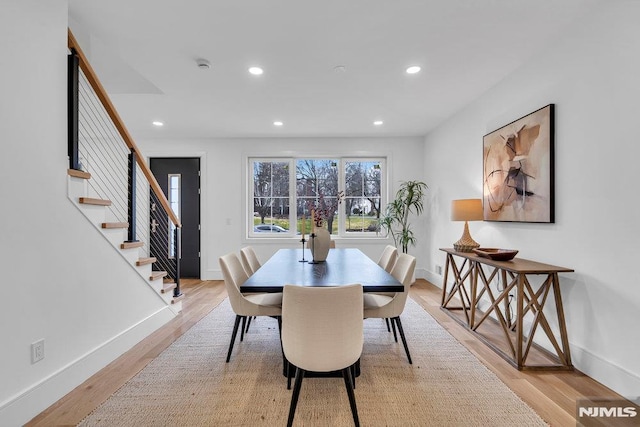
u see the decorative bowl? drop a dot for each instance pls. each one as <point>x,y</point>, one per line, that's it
<point>496,254</point>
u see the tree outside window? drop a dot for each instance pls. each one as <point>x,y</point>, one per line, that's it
<point>317,188</point>
<point>362,196</point>
<point>271,196</point>
<point>346,191</point>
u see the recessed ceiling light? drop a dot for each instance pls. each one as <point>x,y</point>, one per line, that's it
<point>339,69</point>
<point>413,69</point>
<point>378,123</point>
<point>256,71</point>
<point>158,123</point>
<point>203,64</point>
<point>278,123</point>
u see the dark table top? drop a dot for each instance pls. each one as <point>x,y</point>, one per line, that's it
<point>343,267</point>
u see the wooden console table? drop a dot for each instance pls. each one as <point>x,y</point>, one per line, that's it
<point>506,330</point>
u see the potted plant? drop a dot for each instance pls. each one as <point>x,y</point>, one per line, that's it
<point>409,199</point>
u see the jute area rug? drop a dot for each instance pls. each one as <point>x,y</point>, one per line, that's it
<point>190,384</point>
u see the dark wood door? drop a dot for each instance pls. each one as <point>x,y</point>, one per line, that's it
<point>179,178</point>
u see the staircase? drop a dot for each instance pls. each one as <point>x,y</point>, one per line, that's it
<point>96,212</point>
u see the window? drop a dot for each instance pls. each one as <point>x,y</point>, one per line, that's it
<point>317,189</point>
<point>174,204</point>
<point>363,198</point>
<point>270,197</point>
<point>347,192</point>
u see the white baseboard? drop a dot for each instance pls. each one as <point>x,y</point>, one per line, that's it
<point>22,407</point>
<point>607,373</point>
<point>429,276</point>
<point>212,275</point>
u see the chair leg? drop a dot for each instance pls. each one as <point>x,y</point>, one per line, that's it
<point>404,340</point>
<point>285,363</point>
<point>386,320</point>
<point>289,368</point>
<point>393,326</point>
<point>295,395</point>
<point>353,374</point>
<point>244,324</point>
<point>346,374</point>
<point>233,336</point>
<point>246,331</point>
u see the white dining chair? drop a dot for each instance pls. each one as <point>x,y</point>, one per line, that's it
<point>251,264</point>
<point>388,258</point>
<point>387,261</point>
<point>391,307</point>
<point>322,331</point>
<point>263,304</point>
<point>249,260</point>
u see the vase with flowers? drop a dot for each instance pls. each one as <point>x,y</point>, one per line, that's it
<point>322,211</point>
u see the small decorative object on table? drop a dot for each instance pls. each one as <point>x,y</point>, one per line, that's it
<point>319,243</point>
<point>320,238</point>
<point>496,254</point>
<point>303,229</point>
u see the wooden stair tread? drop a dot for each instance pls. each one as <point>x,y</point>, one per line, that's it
<point>178,298</point>
<point>157,274</point>
<point>92,201</point>
<point>130,245</point>
<point>145,261</point>
<point>115,225</point>
<point>78,174</point>
<point>168,286</point>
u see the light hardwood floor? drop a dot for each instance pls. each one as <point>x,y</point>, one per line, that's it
<point>552,394</point>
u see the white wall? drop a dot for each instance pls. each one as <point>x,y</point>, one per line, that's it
<point>591,75</point>
<point>61,280</point>
<point>224,194</point>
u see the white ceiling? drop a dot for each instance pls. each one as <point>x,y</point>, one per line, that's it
<point>145,53</point>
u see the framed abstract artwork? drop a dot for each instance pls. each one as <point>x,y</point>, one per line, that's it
<point>518,169</point>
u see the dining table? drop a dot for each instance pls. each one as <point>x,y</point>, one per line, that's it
<point>343,266</point>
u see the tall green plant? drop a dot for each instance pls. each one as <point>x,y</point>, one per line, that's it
<point>409,199</point>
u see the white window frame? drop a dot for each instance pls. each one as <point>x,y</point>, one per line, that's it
<point>342,233</point>
<point>342,226</point>
<point>176,207</point>
<point>292,189</point>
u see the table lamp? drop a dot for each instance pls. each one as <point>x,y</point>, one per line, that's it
<point>466,210</point>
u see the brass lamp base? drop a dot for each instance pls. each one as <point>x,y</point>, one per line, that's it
<point>466,243</point>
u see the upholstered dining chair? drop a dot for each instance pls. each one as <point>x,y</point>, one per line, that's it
<point>388,258</point>
<point>251,264</point>
<point>387,261</point>
<point>249,260</point>
<point>246,305</point>
<point>322,331</point>
<point>390,307</point>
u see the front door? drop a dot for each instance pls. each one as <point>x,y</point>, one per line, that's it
<point>179,178</point>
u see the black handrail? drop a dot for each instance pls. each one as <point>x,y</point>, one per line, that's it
<point>178,246</point>
<point>132,198</point>
<point>72,109</point>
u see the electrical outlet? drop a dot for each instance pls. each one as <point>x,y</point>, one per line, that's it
<point>37,351</point>
<point>439,269</point>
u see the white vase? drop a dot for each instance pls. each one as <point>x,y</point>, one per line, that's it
<point>320,244</point>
